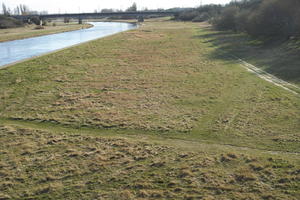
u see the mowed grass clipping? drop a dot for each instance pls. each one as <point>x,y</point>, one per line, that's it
<point>146,114</point>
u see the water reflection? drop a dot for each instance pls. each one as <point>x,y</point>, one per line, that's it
<point>17,50</point>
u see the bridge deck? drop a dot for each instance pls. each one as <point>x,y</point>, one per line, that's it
<point>91,15</point>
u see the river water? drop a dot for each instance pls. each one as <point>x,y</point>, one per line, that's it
<point>18,50</point>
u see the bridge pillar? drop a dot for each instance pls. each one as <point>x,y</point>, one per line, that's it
<point>140,18</point>
<point>79,20</point>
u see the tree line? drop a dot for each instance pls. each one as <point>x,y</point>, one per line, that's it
<point>21,9</point>
<point>6,21</point>
<point>259,18</point>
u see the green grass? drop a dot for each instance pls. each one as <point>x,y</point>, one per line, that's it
<point>147,113</point>
<point>280,58</point>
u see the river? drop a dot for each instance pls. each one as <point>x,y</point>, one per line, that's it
<point>18,50</point>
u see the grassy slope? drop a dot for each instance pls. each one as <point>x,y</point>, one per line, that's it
<point>280,58</point>
<point>157,84</point>
<point>29,31</point>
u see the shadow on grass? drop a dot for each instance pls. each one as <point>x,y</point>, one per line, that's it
<point>280,58</point>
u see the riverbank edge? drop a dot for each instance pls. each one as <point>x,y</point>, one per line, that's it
<point>88,25</point>
<point>27,59</point>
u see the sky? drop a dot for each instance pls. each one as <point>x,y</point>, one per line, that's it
<point>78,6</point>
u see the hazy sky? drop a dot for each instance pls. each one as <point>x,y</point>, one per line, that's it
<point>67,6</point>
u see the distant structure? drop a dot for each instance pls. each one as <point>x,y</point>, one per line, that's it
<point>139,15</point>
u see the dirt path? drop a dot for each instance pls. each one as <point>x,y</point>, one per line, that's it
<point>186,144</point>
<point>269,77</point>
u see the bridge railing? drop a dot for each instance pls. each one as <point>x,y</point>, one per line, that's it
<point>89,15</point>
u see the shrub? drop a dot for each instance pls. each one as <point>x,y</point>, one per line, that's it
<point>9,22</point>
<point>260,18</point>
<point>297,24</point>
<point>227,21</point>
<point>212,10</point>
<point>242,20</point>
<point>275,18</point>
<point>67,20</point>
<point>188,15</point>
<point>36,20</point>
<point>202,17</point>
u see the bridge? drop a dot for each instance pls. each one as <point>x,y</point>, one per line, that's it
<point>80,16</point>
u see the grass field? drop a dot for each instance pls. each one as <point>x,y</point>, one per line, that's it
<point>30,31</point>
<point>146,114</point>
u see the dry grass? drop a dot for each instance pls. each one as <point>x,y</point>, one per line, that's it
<point>38,164</point>
<point>145,114</point>
<point>159,78</point>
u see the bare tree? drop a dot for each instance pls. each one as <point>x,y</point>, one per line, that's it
<point>24,10</point>
<point>17,11</point>
<point>106,10</point>
<point>132,8</point>
<point>6,11</point>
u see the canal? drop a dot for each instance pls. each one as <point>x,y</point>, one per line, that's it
<point>18,50</point>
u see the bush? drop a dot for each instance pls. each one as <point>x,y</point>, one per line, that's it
<point>297,25</point>
<point>203,13</point>
<point>9,22</point>
<point>212,10</point>
<point>275,18</point>
<point>36,20</point>
<point>227,20</point>
<point>202,17</point>
<point>259,18</point>
<point>67,20</point>
<point>188,15</point>
<point>242,20</point>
